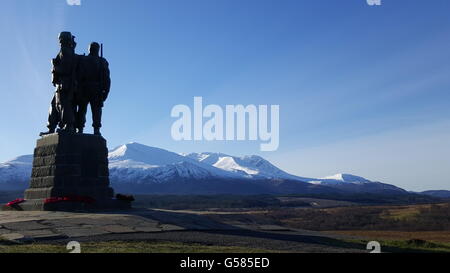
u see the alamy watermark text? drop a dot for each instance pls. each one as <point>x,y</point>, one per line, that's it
<point>236,122</point>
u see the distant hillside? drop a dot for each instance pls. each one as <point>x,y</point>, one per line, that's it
<point>439,193</point>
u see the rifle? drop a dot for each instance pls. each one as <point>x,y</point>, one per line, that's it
<point>102,80</point>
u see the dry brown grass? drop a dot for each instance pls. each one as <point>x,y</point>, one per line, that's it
<point>393,210</point>
<point>411,218</point>
<point>430,236</point>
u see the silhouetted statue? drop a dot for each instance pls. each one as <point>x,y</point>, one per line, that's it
<point>79,81</point>
<point>95,83</point>
<point>64,78</point>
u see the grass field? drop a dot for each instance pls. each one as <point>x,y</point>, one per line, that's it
<point>126,247</point>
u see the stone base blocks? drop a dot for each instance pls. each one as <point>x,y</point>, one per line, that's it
<point>70,165</point>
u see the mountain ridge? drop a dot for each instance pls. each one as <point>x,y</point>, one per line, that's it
<point>136,165</point>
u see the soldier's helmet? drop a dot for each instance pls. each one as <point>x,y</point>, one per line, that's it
<point>66,39</point>
<point>94,48</point>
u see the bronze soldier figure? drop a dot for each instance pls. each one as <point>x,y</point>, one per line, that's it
<point>95,83</point>
<point>64,78</point>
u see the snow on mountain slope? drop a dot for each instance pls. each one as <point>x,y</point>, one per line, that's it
<point>23,160</point>
<point>207,158</point>
<point>19,167</point>
<point>139,173</point>
<point>16,172</point>
<point>229,164</point>
<point>343,178</point>
<point>353,183</point>
<point>250,166</point>
<point>145,154</point>
<point>143,164</point>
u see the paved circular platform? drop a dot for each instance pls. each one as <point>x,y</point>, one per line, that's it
<point>163,225</point>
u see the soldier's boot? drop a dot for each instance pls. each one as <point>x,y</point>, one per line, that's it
<point>97,132</point>
<point>68,129</point>
<point>80,130</point>
<point>49,132</point>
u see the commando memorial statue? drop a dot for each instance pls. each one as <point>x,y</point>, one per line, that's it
<point>70,168</point>
<point>79,81</point>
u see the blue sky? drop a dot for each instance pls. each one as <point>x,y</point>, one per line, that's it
<point>361,89</point>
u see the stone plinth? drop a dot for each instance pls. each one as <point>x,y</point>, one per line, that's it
<point>74,166</point>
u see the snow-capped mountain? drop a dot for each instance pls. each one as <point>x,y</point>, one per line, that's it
<point>138,163</point>
<point>353,183</point>
<point>248,166</point>
<point>340,178</point>
<point>256,167</point>
<point>143,168</point>
<point>16,173</point>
